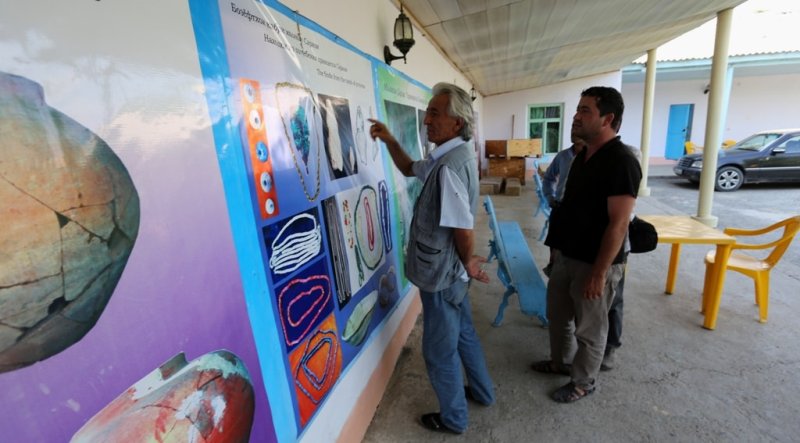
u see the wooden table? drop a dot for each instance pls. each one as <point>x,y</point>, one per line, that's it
<point>680,229</point>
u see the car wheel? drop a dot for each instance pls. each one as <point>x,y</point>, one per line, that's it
<point>729,178</point>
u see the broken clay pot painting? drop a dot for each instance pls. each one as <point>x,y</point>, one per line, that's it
<point>70,216</point>
<point>209,399</point>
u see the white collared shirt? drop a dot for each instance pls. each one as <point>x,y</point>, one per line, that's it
<point>456,211</point>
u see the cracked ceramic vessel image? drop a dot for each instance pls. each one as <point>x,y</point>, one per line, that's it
<point>209,399</point>
<point>70,216</point>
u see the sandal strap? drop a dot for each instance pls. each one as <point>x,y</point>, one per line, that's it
<point>571,393</point>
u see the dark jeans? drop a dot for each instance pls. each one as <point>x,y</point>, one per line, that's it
<point>614,339</point>
<point>449,341</point>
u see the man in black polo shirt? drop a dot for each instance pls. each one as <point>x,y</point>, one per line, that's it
<point>588,230</point>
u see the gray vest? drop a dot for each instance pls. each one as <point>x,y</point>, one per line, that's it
<point>432,262</point>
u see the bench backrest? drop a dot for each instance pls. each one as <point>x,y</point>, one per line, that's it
<point>498,248</point>
<point>544,205</point>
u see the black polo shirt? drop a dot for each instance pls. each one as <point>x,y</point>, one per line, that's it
<point>578,224</point>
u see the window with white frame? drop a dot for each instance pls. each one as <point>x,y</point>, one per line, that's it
<point>545,122</point>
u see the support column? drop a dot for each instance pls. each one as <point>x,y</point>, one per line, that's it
<point>713,138</point>
<point>647,119</point>
<point>726,101</point>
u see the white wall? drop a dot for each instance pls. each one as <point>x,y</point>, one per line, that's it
<point>762,103</point>
<point>667,93</point>
<point>757,103</point>
<point>499,110</point>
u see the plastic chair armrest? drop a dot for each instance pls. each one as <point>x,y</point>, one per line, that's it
<point>745,232</point>
<point>770,228</point>
<point>760,245</point>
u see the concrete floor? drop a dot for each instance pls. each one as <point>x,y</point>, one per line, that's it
<point>675,381</point>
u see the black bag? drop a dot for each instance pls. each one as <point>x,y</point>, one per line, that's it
<point>642,236</point>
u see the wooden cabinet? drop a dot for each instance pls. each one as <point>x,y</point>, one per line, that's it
<point>507,157</point>
<point>508,167</point>
<point>524,147</point>
<point>495,148</point>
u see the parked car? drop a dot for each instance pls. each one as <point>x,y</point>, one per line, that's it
<point>769,156</point>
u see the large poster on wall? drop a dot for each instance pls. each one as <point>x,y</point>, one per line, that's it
<point>318,227</point>
<point>122,315</point>
<point>199,237</point>
<point>403,104</point>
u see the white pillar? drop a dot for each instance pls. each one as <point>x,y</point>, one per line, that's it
<point>716,97</point>
<point>647,119</point>
<point>726,101</point>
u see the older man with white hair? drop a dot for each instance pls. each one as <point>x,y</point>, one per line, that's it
<point>440,258</point>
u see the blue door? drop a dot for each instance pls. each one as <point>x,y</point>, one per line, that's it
<point>679,130</point>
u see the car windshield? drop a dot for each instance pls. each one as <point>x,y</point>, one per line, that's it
<point>756,142</point>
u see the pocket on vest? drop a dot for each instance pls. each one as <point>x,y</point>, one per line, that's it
<point>426,265</point>
<point>427,250</point>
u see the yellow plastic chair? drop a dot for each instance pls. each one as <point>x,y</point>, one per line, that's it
<point>728,143</point>
<point>757,269</point>
<point>691,148</point>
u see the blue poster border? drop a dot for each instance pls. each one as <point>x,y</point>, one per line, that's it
<point>214,66</point>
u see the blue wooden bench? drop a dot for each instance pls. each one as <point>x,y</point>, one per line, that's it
<point>544,205</point>
<point>516,268</point>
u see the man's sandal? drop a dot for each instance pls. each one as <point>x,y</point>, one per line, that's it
<point>570,393</point>
<point>548,367</point>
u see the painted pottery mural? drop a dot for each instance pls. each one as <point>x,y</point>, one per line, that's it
<point>209,399</point>
<point>199,241</point>
<point>70,217</point>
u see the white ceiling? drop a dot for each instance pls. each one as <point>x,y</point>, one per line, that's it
<point>507,45</point>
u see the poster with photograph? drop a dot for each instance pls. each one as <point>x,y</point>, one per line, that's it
<point>295,103</point>
<point>122,308</point>
<point>200,238</point>
<point>403,103</point>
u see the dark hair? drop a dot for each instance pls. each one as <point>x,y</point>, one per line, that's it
<point>608,100</point>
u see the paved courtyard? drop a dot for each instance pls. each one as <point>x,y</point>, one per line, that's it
<point>675,382</point>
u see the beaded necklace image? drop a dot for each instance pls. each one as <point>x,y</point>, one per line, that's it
<point>299,112</point>
<point>369,236</point>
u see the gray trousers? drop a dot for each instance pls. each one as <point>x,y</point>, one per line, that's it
<point>578,326</point>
